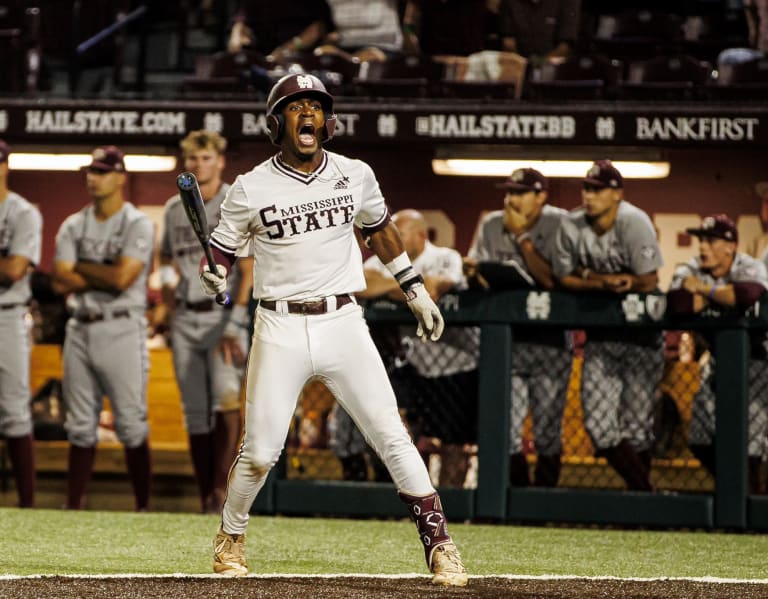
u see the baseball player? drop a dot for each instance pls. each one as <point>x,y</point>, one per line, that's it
<point>20,242</point>
<point>440,396</point>
<point>103,256</point>
<point>610,245</point>
<point>521,237</point>
<point>298,210</point>
<point>721,278</point>
<point>209,342</point>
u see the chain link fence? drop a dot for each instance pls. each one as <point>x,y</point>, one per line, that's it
<point>586,411</point>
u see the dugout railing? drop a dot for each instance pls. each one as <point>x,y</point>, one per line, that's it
<point>727,504</point>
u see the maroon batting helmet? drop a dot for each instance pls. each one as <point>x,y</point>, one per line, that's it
<point>292,86</point>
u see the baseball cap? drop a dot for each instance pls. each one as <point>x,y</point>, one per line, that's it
<point>525,179</point>
<point>716,225</point>
<point>108,159</point>
<point>5,150</point>
<point>603,174</point>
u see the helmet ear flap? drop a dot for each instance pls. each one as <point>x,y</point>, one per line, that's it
<point>275,127</point>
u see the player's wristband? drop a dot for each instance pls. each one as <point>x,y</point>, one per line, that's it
<point>522,237</point>
<point>402,269</point>
<point>711,294</point>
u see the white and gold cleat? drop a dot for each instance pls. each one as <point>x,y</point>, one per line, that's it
<point>229,554</point>
<point>447,568</point>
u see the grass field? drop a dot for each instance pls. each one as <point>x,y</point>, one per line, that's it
<point>49,542</point>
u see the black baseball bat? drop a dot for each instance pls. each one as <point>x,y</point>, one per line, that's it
<point>192,201</point>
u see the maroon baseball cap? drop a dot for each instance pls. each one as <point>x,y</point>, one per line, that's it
<point>5,150</point>
<point>525,179</point>
<point>107,159</point>
<point>603,174</point>
<point>716,225</point>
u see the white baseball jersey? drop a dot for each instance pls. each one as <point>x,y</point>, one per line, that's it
<point>459,347</point>
<point>313,216</point>
<point>20,235</point>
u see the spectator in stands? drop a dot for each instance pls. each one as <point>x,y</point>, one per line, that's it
<point>439,387</point>
<point>514,248</point>
<point>720,280</point>
<point>445,27</point>
<point>759,245</point>
<point>277,29</point>
<point>610,245</point>
<point>756,13</point>
<point>364,30</point>
<point>541,31</point>
<point>21,228</point>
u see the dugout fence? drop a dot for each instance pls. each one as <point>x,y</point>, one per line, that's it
<point>706,424</point>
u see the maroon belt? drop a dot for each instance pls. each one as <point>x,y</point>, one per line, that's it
<point>311,307</point>
<point>89,317</point>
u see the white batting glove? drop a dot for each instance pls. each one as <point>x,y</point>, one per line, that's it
<point>427,313</point>
<point>214,283</point>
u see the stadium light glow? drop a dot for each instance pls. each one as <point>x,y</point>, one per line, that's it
<point>134,163</point>
<point>482,167</point>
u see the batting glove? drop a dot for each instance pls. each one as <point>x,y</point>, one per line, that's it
<point>214,283</point>
<point>427,313</point>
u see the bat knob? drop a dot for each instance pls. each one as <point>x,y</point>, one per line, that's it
<point>186,181</point>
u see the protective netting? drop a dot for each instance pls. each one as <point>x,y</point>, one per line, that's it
<point>585,412</point>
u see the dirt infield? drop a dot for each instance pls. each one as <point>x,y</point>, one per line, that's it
<point>360,587</point>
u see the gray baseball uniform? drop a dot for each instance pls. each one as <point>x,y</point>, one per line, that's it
<point>541,358</point>
<point>20,235</point>
<point>702,428</point>
<point>621,370</point>
<point>105,350</point>
<point>207,383</point>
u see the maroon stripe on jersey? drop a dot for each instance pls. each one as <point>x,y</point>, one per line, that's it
<point>305,178</point>
<point>221,254</point>
<point>369,230</point>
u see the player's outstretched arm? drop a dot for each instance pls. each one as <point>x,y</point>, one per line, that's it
<point>388,246</point>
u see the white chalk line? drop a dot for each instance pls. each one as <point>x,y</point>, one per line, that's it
<point>704,579</point>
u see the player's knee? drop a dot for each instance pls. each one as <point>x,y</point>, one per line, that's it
<point>259,459</point>
<point>19,426</point>
<point>132,434</point>
<point>228,400</point>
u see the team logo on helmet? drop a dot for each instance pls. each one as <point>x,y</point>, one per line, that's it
<point>518,175</point>
<point>304,82</point>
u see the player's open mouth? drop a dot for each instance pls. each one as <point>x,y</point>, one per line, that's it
<point>307,135</point>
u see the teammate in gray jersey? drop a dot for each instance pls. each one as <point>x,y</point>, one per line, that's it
<point>517,246</point>
<point>209,342</point>
<point>610,245</point>
<point>20,241</point>
<point>307,266</point>
<point>721,278</point>
<point>103,257</point>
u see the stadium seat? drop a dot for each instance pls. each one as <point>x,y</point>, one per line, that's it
<point>411,76</point>
<point>244,71</point>
<point>580,77</point>
<point>637,35</point>
<point>667,78</point>
<point>746,81</point>
<point>11,61</point>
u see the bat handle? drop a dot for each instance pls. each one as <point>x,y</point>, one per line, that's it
<point>223,298</point>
